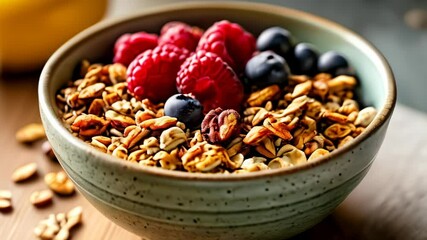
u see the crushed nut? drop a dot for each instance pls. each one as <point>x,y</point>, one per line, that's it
<point>58,226</point>
<point>59,183</point>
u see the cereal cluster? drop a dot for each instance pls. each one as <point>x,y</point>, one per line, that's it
<point>276,119</point>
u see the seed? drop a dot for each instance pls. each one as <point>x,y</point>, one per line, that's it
<point>24,172</point>
<point>41,198</point>
<point>30,133</point>
<point>59,183</point>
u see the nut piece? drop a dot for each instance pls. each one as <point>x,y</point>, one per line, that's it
<point>59,183</point>
<point>220,125</point>
<point>24,172</point>
<point>30,133</point>
<point>41,198</point>
<point>58,226</point>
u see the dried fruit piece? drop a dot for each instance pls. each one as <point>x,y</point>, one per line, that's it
<point>30,133</point>
<point>41,198</point>
<point>24,172</point>
<point>59,183</point>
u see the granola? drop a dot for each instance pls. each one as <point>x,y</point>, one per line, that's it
<point>278,127</point>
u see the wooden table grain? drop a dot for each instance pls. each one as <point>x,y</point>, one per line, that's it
<point>390,203</point>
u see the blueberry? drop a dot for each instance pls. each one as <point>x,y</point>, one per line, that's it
<point>333,63</point>
<point>185,108</point>
<point>305,59</point>
<point>276,39</point>
<point>267,68</point>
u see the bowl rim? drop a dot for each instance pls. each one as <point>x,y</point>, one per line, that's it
<point>382,117</point>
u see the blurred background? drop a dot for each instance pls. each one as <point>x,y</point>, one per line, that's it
<point>397,28</point>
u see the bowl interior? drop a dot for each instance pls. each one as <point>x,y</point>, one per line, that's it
<point>377,87</point>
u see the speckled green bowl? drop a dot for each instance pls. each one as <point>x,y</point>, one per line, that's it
<point>161,204</point>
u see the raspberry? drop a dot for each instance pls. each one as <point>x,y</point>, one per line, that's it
<point>229,41</point>
<point>210,80</point>
<point>128,46</point>
<point>153,73</point>
<point>181,35</point>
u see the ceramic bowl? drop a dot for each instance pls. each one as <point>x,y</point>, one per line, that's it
<point>161,204</point>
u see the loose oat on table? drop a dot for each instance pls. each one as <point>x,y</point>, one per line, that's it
<point>41,198</point>
<point>278,127</point>
<point>24,172</point>
<point>30,133</point>
<point>5,200</point>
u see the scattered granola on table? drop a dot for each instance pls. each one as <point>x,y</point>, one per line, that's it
<point>223,112</point>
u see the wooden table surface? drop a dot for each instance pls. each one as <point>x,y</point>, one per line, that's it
<point>390,203</point>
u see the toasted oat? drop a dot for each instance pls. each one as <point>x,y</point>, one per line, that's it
<point>282,126</point>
